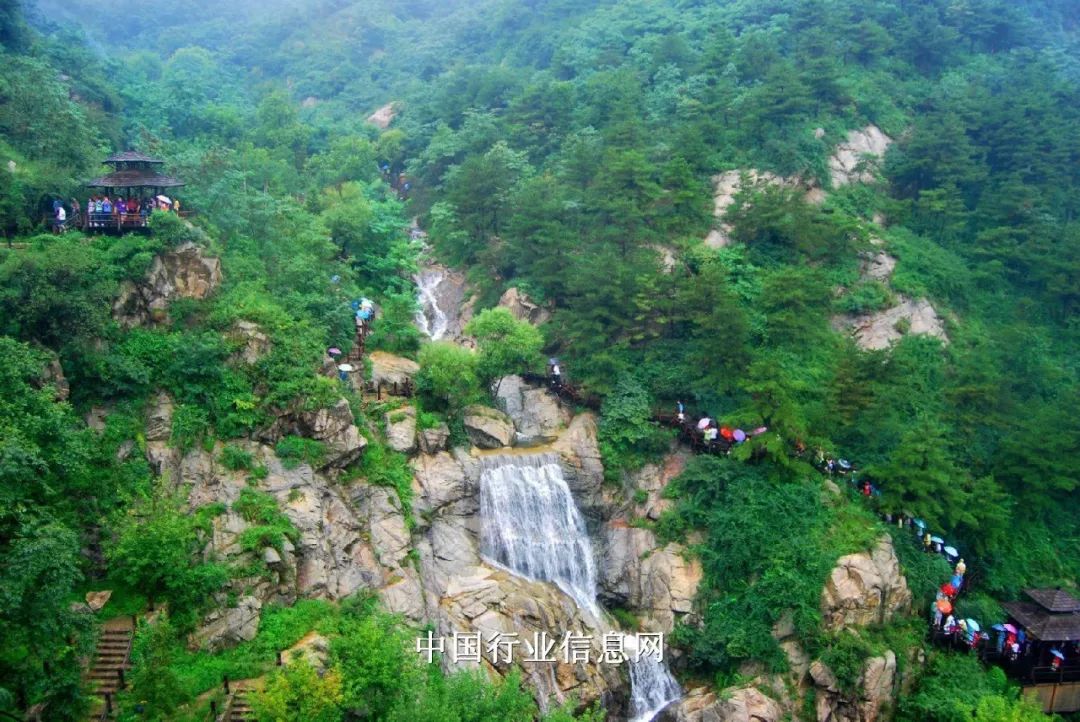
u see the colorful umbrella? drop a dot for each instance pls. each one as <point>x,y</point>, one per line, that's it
<point>333,351</point>
<point>1009,628</point>
<point>998,627</point>
<point>944,606</point>
<point>937,540</point>
<point>739,435</point>
<point>973,626</point>
<point>759,430</point>
<point>346,367</point>
<point>948,589</point>
<point>703,423</point>
<point>920,524</point>
<point>957,581</point>
<point>1058,653</point>
<point>726,432</point>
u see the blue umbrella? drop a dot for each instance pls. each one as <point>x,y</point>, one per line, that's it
<point>998,627</point>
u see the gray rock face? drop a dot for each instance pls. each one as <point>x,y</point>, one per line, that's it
<point>52,374</point>
<point>333,426</point>
<point>872,697</point>
<point>742,704</point>
<point>183,272</point>
<point>228,627</point>
<point>582,467</point>
<point>865,588</point>
<point>488,428</point>
<point>522,308</point>
<point>254,344</point>
<point>879,330</point>
<point>433,440</point>
<point>159,418</point>
<point>855,159</point>
<point>401,429</point>
<point>635,573</point>
<point>537,415</point>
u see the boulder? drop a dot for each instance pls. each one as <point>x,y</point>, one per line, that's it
<point>183,272</point>
<point>537,415</point>
<point>433,440</point>
<point>224,628</point>
<point>855,159</point>
<point>522,308</point>
<point>97,600</point>
<point>865,588</point>
<point>488,428</point>
<point>159,417</point>
<point>388,369</point>
<point>253,343</point>
<point>401,429</point>
<point>741,704</point>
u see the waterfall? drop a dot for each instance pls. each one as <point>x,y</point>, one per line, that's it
<point>531,526</point>
<point>430,318</point>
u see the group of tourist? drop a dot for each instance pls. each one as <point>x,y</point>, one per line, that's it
<point>102,211</point>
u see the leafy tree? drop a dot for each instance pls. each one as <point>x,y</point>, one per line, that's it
<point>297,693</point>
<point>506,345</point>
<point>448,376</point>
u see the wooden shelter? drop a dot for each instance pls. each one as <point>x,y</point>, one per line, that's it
<point>1051,621</point>
<point>134,176</point>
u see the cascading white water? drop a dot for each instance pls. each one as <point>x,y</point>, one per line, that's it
<point>531,526</point>
<point>430,319</point>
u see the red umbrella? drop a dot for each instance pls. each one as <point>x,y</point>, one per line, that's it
<point>727,433</point>
<point>948,589</point>
<point>944,605</point>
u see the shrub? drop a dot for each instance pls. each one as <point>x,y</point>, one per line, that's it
<point>234,458</point>
<point>270,527</point>
<point>189,425</point>
<point>294,450</point>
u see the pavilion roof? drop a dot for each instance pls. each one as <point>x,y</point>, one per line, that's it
<point>135,178</point>
<point>1054,600</point>
<point>131,156</point>
<point>1044,625</point>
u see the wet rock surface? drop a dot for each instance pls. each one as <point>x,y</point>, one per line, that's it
<point>865,588</point>
<point>184,272</point>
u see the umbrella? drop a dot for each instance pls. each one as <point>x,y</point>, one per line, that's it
<point>951,551</point>
<point>948,589</point>
<point>759,430</point>
<point>1009,628</point>
<point>726,432</point>
<point>937,540</point>
<point>335,278</point>
<point>703,423</point>
<point>553,360</point>
<point>973,626</point>
<point>957,581</point>
<point>944,606</point>
<point>333,351</point>
<point>844,464</point>
<point>739,435</point>
<point>164,199</point>
<point>346,367</point>
<point>920,524</point>
<point>998,627</point>
<point>1058,653</point>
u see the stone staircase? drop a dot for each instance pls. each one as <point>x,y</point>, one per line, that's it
<point>237,707</point>
<point>112,659</point>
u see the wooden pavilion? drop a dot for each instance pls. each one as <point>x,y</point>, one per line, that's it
<point>1051,621</point>
<point>134,176</point>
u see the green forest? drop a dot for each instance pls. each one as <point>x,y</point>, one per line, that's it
<point>571,151</point>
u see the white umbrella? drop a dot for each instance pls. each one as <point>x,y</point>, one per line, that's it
<point>346,367</point>
<point>164,199</point>
<point>951,551</point>
<point>703,423</point>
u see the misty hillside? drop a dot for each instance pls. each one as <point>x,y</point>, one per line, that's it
<point>389,325</point>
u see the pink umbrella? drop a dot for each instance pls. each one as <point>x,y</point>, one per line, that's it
<point>333,351</point>
<point>703,424</point>
<point>759,430</point>
<point>1010,628</point>
<point>739,435</point>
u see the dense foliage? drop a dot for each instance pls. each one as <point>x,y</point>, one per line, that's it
<point>566,151</point>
